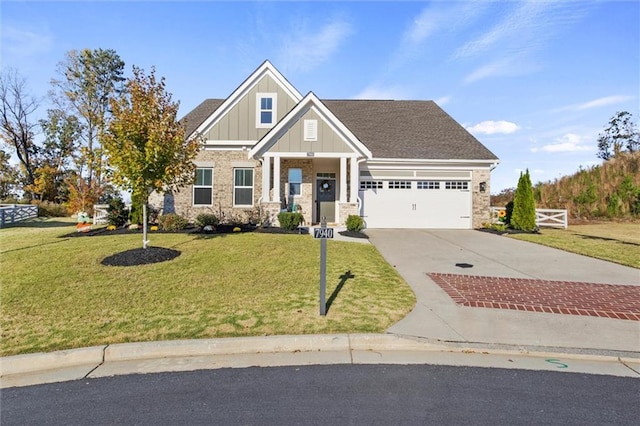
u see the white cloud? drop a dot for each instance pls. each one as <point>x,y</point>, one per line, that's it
<point>442,101</point>
<point>387,92</point>
<point>442,17</point>
<point>303,50</point>
<point>491,127</point>
<point>24,42</point>
<point>508,48</point>
<point>596,103</point>
<point>570,142</point>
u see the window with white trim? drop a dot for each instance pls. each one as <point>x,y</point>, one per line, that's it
<point>399,184</point>
<point>295,181</point>
<point>310,130</point>
<point>456,184</point>
<point>242,187</point>
<point>370,184</point>
<point>203,187</point>
<point>266,110</point>
<point>428,184</point>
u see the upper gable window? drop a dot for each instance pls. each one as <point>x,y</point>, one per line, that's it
<point>266,109</point>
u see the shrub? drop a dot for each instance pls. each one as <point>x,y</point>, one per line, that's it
<point>290,220</point>
<point>117,213</point>
<point>135,215</point>
<point>49,209</point>
<point>207,219</point>
<point>172,222</point>
<point>509,212</point>
<point>354,223</point>
<point>524,206</point>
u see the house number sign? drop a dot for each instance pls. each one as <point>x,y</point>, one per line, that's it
<point>323,233</point>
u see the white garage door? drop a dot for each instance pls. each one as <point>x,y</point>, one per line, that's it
<point>442,204</point>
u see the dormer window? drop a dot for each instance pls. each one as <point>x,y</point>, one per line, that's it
<point>266,109</point>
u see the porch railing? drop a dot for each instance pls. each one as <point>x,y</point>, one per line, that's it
<point>553,218</point>
<point>12,213</point>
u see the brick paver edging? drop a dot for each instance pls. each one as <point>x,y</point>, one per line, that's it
<point>531,295</point>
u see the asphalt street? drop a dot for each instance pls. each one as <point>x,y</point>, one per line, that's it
<point>337,394</point>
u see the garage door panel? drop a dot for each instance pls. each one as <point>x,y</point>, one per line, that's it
<point>417,208</point>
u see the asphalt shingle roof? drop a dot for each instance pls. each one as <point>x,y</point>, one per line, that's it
<point>391,129</point>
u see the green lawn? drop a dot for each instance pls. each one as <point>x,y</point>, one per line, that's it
<point>55,294</point>
<point>615,242</point>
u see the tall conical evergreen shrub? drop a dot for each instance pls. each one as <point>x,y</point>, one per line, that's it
<point>524,205</point>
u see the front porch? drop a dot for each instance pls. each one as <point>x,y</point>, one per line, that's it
<point>317,185</point>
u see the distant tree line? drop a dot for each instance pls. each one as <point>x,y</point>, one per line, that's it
<point>606,191</point>
<point>96,137</point>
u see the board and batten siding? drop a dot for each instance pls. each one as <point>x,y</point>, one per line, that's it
<point>240,122</point>
<point>328,140</point>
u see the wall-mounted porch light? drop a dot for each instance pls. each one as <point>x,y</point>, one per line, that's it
<point>483,186</point>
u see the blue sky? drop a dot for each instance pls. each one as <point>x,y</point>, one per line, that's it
<point>534,81</point>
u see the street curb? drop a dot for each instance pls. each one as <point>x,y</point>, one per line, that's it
<point>98,355</point>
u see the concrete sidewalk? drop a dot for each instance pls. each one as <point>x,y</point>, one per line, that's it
<point>414,253</point>
<point>273,351</point>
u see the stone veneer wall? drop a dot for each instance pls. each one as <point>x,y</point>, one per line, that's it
<point>305,200</point>
<point>347,209</point>
<point>181,202</point>
<point>481,200</point>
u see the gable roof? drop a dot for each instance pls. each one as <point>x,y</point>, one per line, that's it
<point>310,101</point>
<point>265,69</point>
<point>408,130</point>
<point>390,129</point>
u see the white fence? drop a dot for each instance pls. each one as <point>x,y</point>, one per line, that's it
<point>554,218</point>
<point>100,214</point>
<point>12,213</point>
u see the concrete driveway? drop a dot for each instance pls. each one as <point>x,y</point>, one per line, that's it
<point>415,253</point>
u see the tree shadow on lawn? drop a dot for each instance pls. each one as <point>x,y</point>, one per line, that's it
<point>593,237</point>
<point>343,279</point>
<point>40,222</point>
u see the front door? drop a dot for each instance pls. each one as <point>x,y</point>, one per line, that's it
<point>326,199</point>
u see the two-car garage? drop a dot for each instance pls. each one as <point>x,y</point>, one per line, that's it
<point>416,199</point>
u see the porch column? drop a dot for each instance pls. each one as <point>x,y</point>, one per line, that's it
<point>276,179</point>
<point>353,184</point>
<point>266,179</point>
<point>343,179</point>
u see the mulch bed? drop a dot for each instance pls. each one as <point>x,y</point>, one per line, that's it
<point>353,234</point>
<point>141,256</point>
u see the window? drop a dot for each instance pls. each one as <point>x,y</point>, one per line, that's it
<point>456,184</point>
<point>266,109</point>
<point>203,187</point>
<point>295,181</point>
<point>310,130</point>
<point>326,175</point>
<point>243,187</point>
<point>399,184</point>
<point>370,184</point>
<point>428,184</point>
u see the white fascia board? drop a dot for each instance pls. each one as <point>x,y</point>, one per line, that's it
<point>315,155</point>
<point>265,69</point>
<point>394,162</point>
<point>310,102</point>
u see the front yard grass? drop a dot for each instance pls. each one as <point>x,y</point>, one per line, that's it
<point>615,242</point>
<point>55,294</point>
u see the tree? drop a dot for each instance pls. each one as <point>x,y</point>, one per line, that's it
<point>622,134</point>
<point>145,144</point>
<point>9,177</point>
<point>16,128</point>
<point>62,134</point>
<point>524,205</point>
<point>90,79</point>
